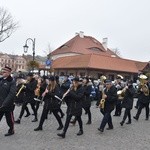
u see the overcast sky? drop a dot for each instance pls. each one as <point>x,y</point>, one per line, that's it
<point>126,24</point>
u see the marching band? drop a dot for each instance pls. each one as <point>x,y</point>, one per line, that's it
<point>76,95</point>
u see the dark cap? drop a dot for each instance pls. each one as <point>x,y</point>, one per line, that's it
<point>6,68</point>
<point>30,74</point>
<point>76,79</point>
<point>52,78</point>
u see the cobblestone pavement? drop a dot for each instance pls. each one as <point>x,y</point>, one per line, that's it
<point>129,137</point>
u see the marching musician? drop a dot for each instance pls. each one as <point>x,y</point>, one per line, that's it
<point>73,100</point>
<point>119,86</point>
<point>20,94</point>
<point>86,103</point>
<point>143,97</point>
<point>127,103</point>
<point>110,97</point>
<point>7,95</point>
<point>51,103</point>
<point>30,87</point>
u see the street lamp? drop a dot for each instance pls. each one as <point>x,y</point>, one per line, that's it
<point>33,48</point>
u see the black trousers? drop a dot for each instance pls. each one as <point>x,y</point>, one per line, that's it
<point>24,107</point>
<point>106,119</point>
<point>9,119</point>
<point>68,118</point>
<point>88,111</point>
<point>118,108</point>
<point>127,113</point>
<point>44,116</point>
<point>141,106</point>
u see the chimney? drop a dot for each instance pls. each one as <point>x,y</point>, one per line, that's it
<point>104,43</point>
<point>81,34</point>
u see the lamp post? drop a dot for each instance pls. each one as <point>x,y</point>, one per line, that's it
<point>33,49</point>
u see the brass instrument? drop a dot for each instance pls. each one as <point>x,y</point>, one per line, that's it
<point>21,88</point>
<point>121,93</point>
<point>143,86</point>
<point>120,76</point>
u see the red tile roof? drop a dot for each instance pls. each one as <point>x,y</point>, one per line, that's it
<point>94,61</point>
<point>86,45</point>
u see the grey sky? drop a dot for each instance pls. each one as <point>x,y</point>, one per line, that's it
<point>126,23</point>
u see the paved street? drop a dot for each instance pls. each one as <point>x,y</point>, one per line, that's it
<point>129,137</point>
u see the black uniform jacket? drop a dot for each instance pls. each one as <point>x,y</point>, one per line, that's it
<point>74,101</point>
<point>29,91</point>
<point>51,102</point>
<point>142,97</point>
<point>7,94</point>
<point>86,99</point>
<point>128,98</point>
<point>111,98</point>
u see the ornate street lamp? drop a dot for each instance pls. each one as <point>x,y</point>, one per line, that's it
<point>33,49</point>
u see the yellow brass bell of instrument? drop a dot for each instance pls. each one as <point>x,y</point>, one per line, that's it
<point>142,79</point>
<point>143,86</point>
<point>102,79</point>
<point>121,93</point>
<point>102,103</point>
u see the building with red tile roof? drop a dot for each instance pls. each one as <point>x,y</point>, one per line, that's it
<point>84,55</point>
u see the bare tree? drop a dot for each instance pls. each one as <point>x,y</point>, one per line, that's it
<point>116,51</point>
<point>7,24</point>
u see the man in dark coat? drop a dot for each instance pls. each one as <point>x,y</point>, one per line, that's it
<point>127,103</point>
<point>110,96</point>
<point>74,106</point>
<point>29,97</point>
<point>7,95</point>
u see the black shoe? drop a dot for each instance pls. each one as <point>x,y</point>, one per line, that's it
<point>62,115</point>
<point>61,134</point>
<point>60,127</point>
<point>135,118</point>
<point>17,121</point>
<point>109,128</point>
<point>146,118</point>
<point>9,133</point>
<point>73,122</point>
<point>101,130</point>
<point>89,122</point>
<point>38,129</point>
<point>28,114</point>
<point>35,120</point>
<point>115,115</point>
<point>129,122</point>
<point>121,123</point>
<point>80,132</point>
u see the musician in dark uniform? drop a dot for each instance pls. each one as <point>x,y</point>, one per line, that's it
<point>143,98</point>
<point>127,103</point>
<point>51,103</point>
<point>20,94</point>
<point>119,86</point>
<point>73,100</point>
<point>7,95</point>
<point>110,96</point>
<point>29,96</point>
<point>86,103</point>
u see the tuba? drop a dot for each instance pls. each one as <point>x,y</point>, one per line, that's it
<point>143,87</point>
